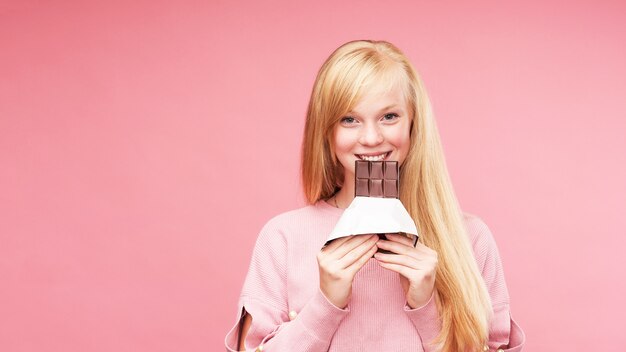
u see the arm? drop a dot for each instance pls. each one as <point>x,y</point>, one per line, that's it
<point>504,333</point>
<point>427,322</point>
<point>264,306</point>
<point>417,265</point>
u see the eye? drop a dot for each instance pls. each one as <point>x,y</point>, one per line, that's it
<point>391,116</point>
<point>348,120</point>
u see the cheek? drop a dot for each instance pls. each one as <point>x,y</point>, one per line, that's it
<point>342,143</point>
<point>344,148</point>
<point>401,139</point>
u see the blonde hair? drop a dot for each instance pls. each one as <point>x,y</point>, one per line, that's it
<point>425,188</point>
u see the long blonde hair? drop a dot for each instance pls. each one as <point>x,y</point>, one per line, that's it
<point>425,187</point>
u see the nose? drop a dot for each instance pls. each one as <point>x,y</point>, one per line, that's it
<point>370,135</point>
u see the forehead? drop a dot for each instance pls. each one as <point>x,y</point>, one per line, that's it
<point>380,97</point>
<point>386,81</point>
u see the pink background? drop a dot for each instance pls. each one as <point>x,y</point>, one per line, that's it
<point>144,144</point>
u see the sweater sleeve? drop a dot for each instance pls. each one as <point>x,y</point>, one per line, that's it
<point>427,322</point>
<point>264,298</point>
<point>504,333</point>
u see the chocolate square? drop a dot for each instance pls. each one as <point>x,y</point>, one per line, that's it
<point>376,188</point>
<point>362,169</point>
<point>391,170</point>
<point>391,189</point>
<point>362,187</point>
<point>376,170</point>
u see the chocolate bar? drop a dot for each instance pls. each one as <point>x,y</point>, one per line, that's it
<point>376,179</point>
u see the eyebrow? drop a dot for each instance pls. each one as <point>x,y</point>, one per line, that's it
<point>381,110</point>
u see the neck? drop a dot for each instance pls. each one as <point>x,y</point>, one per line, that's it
<point>345,195</point>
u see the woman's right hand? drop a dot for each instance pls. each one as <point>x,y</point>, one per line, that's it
<point>339,262</point>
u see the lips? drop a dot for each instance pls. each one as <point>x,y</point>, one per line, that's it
<point>373,156</point>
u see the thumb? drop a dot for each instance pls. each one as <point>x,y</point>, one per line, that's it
<point>405,283</point>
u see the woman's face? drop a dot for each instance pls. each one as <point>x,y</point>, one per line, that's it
<point>378,128</point>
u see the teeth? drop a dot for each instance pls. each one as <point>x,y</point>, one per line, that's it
<point>373,157</point>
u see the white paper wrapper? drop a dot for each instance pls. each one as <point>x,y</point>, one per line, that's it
<point>373,215</point>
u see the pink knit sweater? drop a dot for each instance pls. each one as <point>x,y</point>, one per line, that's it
<point>289,312</point>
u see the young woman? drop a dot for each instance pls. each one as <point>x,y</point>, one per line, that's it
<point>445,294</point>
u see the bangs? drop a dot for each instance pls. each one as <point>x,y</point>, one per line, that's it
<point>385,77</point>
<point>376,75</point>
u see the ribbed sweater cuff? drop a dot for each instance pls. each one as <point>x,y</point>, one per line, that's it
<point>321,318</point>
<point>426,320</point>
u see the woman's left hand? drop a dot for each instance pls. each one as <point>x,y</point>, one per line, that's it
<point>417,267</point>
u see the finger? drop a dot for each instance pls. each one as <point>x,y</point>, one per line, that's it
<point>351,244</point>
<point>400,269</point>
<point>358,264</point>
<point>398,248</point>
<point>423,248</point>
<point>356,253</point>
<point>409,241</point>
<point>334,244</point>
<point>399,259</point>
<point>419,252</point>
<point>399,238</point>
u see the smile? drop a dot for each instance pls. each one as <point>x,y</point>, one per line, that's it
<point>373,157</point>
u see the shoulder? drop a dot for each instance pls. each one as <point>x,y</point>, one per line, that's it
<point>480,237</point>
<point>294,218</point>
<point>488,259</point>
<point>301,222</point>
<point>476,228</point>
<point>303,213</point>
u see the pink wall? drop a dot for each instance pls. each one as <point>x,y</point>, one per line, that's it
<point>136,143</point>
